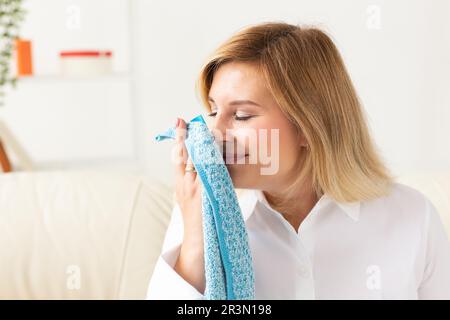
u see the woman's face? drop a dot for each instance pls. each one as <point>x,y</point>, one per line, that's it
<point>260,145</point>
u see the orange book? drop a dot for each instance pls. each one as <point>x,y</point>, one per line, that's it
<point>24,59</point>
<point>4,161</point>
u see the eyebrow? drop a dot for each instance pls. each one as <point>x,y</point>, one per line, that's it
<point>238,102</point>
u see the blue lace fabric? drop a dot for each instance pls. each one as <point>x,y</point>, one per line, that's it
<point>228,262</point>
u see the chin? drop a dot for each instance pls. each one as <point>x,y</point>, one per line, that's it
<point>241,176</point>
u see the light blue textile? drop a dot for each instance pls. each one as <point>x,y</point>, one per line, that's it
<point>228,262</point>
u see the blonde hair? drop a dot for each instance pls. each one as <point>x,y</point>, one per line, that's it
<point>308,79</point>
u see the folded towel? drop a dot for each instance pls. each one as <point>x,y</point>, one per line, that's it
<point>228,262</point>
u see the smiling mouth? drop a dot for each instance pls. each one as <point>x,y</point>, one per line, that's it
<point>234,158</point>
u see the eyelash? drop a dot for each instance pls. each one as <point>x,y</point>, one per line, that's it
<point>212,114</point>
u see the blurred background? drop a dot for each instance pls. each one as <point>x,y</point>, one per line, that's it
<point>98,79</point>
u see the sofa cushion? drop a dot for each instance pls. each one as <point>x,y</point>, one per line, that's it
<point>79,235</point>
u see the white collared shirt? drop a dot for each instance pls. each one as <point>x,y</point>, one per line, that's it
<point>393,247</point>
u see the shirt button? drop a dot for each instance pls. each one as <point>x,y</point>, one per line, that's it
<point>303,271</point>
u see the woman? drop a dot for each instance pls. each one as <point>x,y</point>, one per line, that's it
<point>329,222</point>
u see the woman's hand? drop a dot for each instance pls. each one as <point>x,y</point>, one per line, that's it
<point>190,263</point>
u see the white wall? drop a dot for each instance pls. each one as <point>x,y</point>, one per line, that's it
<point>65,122</point>
<point>400,70</point>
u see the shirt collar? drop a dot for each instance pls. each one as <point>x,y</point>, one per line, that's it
<point>249,200</point>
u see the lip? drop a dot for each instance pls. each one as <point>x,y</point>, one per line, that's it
<point>234,157</point>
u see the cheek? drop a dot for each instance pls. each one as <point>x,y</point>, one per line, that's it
<point>248,139</point>
<point>272,139</point>
<point>285,146</point>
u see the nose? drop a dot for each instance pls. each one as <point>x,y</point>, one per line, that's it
<point>219,128</point>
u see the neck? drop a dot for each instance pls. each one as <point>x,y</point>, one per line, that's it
<point>295,208</point>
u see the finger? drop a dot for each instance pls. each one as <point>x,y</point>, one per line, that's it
<point>190,175</point>
<point>196,177</point>
<point>180,130</point>
<point>197,181</point>
<point>180,149</point>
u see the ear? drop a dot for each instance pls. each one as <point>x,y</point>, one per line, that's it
<point>302,139</point>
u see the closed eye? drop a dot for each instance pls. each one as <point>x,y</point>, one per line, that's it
<point>236,117</point>
<point>244,118</point>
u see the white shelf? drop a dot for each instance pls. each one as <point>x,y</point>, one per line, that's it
<point>52,79</point>
<point>58,119</point>
<point>74,121</point>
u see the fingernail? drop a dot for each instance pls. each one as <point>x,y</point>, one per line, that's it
<point>178,122</point>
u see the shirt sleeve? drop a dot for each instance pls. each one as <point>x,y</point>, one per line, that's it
<point>435,282</point>
<point>166,283</point>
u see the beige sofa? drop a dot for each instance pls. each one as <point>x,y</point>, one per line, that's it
<point>79,235</point>
<point>97,235</point>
